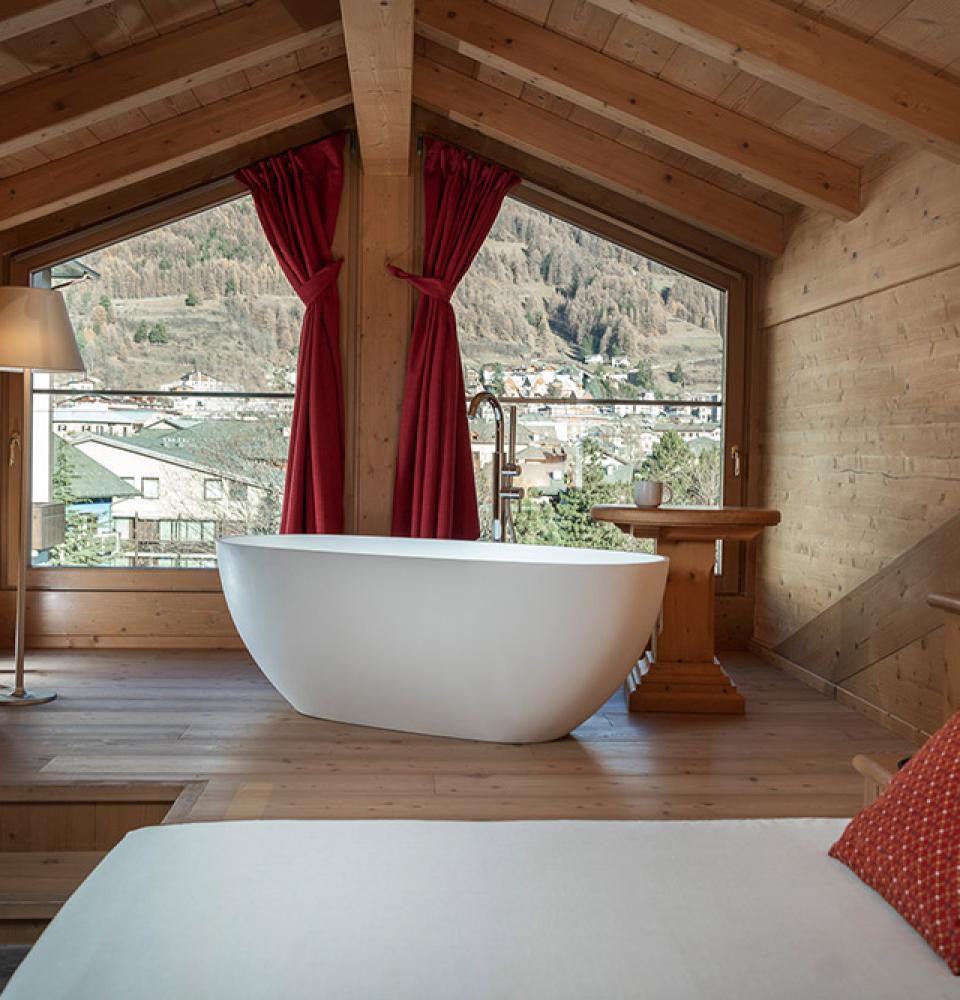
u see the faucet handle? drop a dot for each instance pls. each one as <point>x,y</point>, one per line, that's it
<point>510,469</point>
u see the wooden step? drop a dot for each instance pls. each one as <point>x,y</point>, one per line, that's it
<point>35,884</point>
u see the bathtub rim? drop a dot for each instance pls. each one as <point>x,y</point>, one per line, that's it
<point>442,550</point>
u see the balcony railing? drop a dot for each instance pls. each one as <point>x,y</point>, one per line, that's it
<point>173,462</point>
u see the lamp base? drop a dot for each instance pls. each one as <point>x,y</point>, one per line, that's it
<point>37,696</point>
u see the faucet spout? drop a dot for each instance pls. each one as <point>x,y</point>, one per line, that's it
<point>486,397</point>
<point>496,500</point>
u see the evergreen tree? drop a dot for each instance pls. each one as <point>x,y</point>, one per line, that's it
<point>693,479</point>
<point>81,545</point>
<point>642,377</point>
<point>158,333</point>
<point>495,383</point>
<point>567,520</point>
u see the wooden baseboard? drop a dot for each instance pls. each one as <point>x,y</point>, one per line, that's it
<point>891,722</point>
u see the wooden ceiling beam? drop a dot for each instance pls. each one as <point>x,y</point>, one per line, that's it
<point>18,17</point>
<point>596,157</point>
<point>89,224</point>
<point>669,238</point>
<point>379,40</point>
<point>170,144</point>
<point>641,102</point>
<point>883,89</point>
<point>52,106</point>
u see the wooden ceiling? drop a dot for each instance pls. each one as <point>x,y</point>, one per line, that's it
<point>727,114</point>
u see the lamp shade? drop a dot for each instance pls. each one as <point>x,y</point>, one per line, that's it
<point>36,332</point>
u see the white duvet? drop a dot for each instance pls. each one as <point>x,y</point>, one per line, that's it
<point>752,910</point>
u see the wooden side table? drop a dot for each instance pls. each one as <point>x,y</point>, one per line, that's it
<point>684,674</point>
<point>877,770</point>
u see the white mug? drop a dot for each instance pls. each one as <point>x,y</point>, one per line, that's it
<point>649,493</point>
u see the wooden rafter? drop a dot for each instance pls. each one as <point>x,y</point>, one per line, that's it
<point>379,41</point>
<point>547,181</point>
<point>17,17</point>
<point>643,103</point>
<point>71,227</point>
<point>597,157</point>
<point>170,144</point>
<point>52,106</point>
<point>883,89</point>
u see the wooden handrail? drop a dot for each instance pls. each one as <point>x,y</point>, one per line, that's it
<point>946,602</point>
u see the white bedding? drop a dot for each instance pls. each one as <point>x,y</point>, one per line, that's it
<point>423,910</point>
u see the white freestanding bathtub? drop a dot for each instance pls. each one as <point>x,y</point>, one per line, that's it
<point>482,641</point>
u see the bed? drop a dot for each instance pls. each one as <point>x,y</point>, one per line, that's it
<point>421,910</point>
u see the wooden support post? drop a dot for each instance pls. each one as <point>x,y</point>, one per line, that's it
<point>384,319</point>
<point>684,675</point>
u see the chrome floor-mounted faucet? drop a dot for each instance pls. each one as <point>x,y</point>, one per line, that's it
<point>505,467</point>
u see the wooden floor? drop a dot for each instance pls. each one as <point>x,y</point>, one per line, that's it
<point>212,718</point>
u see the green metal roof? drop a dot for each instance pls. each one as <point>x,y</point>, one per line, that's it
<point>247,451</point>
<point>89,480</point>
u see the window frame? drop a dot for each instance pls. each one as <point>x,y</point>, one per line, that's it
<point>213,481</point>
<point>738,287</point>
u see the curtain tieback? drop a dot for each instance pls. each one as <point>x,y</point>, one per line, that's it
<point>316,286</point>
<point>433,288</point>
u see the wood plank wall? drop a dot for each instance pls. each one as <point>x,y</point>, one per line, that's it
<point>860,442</point>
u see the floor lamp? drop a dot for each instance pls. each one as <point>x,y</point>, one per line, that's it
<point>35,335</point>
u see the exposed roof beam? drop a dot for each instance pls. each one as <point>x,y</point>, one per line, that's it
<point>170,144</point>
<point>643,103</point>
<point>55,105</point>
<point>71,228</point>
<point>882,89</point>
<point>20,16</point>
<point>665,233</point>
<point>379,40</point>
<point>591,155</point>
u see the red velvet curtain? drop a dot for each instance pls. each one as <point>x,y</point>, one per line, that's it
<point>435,495</point>
<point>297,195</point>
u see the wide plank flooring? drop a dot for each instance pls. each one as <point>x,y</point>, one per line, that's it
<point>211,717</point>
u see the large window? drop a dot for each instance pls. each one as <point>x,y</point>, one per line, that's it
<point>176,434</point>
<point>616,364</point>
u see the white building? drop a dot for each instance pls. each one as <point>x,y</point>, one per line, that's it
<point>183,505</point>
<point>198,381</point>
<point>95,417</point>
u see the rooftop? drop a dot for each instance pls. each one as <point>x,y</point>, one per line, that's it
<point>89,480</point>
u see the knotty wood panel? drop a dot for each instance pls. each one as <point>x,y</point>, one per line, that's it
<point>887,613</point>
<point>860,444</point>
<point>73,826</point>
<point>908,683</point>
<point>135,618</point>
<point>909,228</point>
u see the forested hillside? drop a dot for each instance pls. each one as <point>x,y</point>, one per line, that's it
<point>543,288</point>
<point>206,292</point>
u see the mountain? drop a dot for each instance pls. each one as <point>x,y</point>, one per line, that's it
<point>206,292</point>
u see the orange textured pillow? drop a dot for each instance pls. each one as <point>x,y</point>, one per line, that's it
<point>906,845</point>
